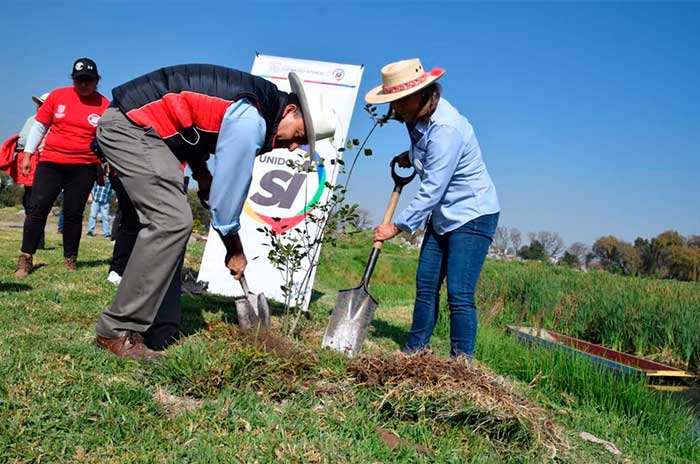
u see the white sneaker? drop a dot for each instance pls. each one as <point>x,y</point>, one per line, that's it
<point>114,278</point>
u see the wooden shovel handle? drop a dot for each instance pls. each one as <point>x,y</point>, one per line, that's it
<point>389,213</point>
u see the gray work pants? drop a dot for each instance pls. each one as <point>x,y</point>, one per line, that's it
<point>148,297</point>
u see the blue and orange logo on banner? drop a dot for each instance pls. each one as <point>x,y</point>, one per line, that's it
<point>272,193</point>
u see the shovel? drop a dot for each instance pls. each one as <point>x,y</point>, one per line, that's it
<point>354,308</point>
<point>253,311</point>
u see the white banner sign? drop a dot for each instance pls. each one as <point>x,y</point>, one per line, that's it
<point>280,192</point>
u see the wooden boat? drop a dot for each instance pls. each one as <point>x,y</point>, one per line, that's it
<point>661,376</point>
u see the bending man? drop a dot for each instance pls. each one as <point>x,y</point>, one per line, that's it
<point>182,114</point>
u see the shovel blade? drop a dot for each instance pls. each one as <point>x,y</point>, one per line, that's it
<point>349,323</point>
<point>264,312</point>
<point>253,313</point>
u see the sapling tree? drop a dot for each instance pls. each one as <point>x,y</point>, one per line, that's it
<point>296,249</point>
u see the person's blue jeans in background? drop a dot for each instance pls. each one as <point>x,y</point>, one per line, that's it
<point>103,209</point>
<point>458,256</point>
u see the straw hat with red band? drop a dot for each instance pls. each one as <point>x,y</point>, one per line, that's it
<point>401,79</point>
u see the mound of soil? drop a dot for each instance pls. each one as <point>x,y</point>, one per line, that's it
<point>269,342</point>
<point>422,368</point>
<point>407,388</point>
<point>449,391</point>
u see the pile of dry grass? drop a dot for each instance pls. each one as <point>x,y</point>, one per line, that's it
<point>422,387</point>
<point>451,393</point>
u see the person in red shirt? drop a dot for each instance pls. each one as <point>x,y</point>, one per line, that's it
<point>16,172</point>
<point>67,161</point>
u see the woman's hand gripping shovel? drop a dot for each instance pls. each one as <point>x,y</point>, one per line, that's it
<point>354,309</point>
<point>253,311</point>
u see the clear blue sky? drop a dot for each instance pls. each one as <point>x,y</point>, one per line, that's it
<point>588,114</point>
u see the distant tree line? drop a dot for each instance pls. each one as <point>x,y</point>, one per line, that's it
<point>667,256</point>
<point>543,246</point>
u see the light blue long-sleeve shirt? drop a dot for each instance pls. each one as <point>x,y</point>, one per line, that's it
<point>241,137</point>
<point>455,185</point>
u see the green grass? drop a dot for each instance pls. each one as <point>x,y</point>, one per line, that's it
<point>648,317</point>
<point>573,385</point>
<point>63,400</point>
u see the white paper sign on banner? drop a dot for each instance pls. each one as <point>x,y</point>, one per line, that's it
<point>278,191</point>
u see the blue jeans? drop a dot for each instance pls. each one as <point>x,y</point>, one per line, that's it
<point>458,255</point>
<point>103,209</point>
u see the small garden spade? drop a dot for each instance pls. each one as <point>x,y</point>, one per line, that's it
<point>253,311</point>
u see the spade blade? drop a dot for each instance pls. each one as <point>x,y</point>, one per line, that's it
<point>253,313</point>
<point>349,323</point>
<point>263,312</point>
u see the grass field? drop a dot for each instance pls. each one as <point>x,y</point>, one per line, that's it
<point>219,397</point>
<point>648,317</point>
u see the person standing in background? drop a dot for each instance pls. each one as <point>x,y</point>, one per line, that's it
<point>99,203</point>
<point>18,177</point>
<point>67,162</point>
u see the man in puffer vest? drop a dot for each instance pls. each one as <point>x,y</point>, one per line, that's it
<point>182,114</point>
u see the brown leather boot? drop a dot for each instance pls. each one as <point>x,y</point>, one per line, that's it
<point>25,266</point>
<point>129,345</point>
<point>71,263</point>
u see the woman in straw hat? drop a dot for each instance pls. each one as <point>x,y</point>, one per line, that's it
<point>456,202</point>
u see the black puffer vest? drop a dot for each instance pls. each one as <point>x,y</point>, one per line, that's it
<point>185,105</point>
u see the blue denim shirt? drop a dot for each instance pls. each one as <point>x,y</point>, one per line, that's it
<point>102,194</point>
<point>455,185</point>
<point>240,139</point>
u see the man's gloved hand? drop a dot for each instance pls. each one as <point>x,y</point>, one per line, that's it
<point>236,264</point>
<point>204,181</point>
<point>235,259</point>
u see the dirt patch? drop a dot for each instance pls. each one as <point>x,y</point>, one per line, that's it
<point>450,392</point>
<point>175,405</point>
<point>12,225</point>
<point>606,444</point>
<point>269,342</point>
<point>322,389</point>
<point>422,368</point>
<point>393,441</point>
